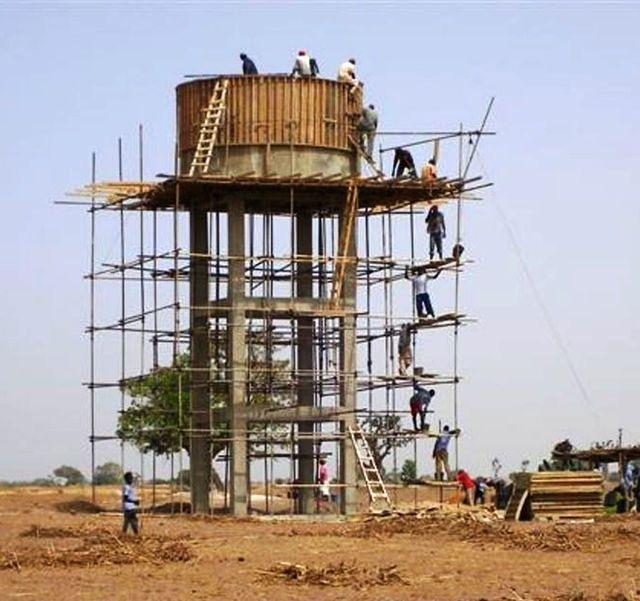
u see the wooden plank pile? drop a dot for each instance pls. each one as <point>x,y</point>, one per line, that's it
<point>566,495</point>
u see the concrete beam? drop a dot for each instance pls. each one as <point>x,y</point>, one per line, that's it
<point>250,414</point>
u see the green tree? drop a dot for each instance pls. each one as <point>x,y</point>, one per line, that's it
<point>70,474</point>
<point>409,472</point>
<point>158,417</point>
<point>383,433</point>
<point>108,473</point>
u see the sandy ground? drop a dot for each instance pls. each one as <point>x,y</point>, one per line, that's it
<point>453,557</point>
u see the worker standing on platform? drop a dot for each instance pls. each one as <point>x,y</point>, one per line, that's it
<point>367,127</point>
<point>248,66</point>
<point>405,356</point>
<point>436,229</point>
<point>302,66</point>
<point>441,452</point>
<point>419,281</point>
<point>403,161</point>
<point>429,173</point>
<point>465,482</point>
<point>347,73</point>
<point>419,405</point>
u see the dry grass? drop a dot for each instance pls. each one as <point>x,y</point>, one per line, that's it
<point>94,547</point>
<point>335,575</point>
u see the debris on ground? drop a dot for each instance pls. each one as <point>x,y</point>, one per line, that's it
<point>96,547</point>
<point>485,527</point>
<point>338,574</point>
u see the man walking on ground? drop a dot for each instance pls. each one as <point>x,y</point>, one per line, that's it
<point>129,504</point>
<point>441,453</point>
<point>419,281</point>
<point>419,404</point>
<point>403,161</point>
<point>248,66</point>
<point>367,127</point>
<point>436,229</point>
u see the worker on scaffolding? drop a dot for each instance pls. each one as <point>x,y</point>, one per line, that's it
<point>441,452</point>
<point>403,161</point>
<point>429,173</point>
<point>405,356</point>
<point>347,74</point>
<point>436,229</point>
<point>305,65</point>
<point>419,405</point>
<point>419,280</point>
<point>248,66</point>
<point>367,127</point>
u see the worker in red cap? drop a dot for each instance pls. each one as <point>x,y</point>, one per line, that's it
<point>304,66</point>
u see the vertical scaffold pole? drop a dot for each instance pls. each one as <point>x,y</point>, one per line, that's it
<point>92,333</point>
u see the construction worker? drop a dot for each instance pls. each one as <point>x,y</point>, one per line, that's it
<point>419,280</point>
<point>465,482</point>
<point>324,492</point>
<point>347,73</point>
<point>481,486</point>
<point>441,452</point>
<point>436,229</point>
<point>403,161</point>
<point>302,66</point>
<point>129,505</point>
<point>419,404</point>
<point>429,173</point>
<point>367,127</point>
<point>248,66</point>
<point>405,357</point>
<point>627,485</point>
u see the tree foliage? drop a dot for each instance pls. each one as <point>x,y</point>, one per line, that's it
<point>381,432</point>
<point>158,418</point>
<point>108,473</point>
<point>71,474</point>
<point>409,471</point>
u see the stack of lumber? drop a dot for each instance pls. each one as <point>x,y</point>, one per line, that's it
<point>566,495</point>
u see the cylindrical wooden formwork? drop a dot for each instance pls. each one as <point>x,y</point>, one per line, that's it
<point>273,125</point>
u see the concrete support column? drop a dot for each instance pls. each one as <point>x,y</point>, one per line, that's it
<point>200,451</point>
<point>304,288</point>
<point>236,359</point>
<point>348,365</point>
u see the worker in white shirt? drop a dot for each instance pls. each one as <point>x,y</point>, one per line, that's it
<point>419,280</point>
<point>303,66</point>
<point>347,73</point>
<point>129,505</point>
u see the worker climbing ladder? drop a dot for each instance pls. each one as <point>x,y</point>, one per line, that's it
<point>210,127</point>
<point>370,472</point>
<point>349,217</point>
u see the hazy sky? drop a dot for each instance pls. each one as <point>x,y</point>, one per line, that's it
<point>566,80</point>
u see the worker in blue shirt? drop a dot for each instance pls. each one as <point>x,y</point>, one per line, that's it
<point>248,66</point>
<point>441,452</point>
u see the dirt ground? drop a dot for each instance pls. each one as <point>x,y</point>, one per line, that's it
<point>53,548</point>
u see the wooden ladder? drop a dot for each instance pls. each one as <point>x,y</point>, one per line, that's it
<point>516,504</point>
<point>349,217</point>
<point>366,156</point>
<point>210,127</point>
<point>375,485</point>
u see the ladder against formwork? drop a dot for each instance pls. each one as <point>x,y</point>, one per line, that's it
<point>350,214</point>
<point>370,472</point>
<point>210,128</point>
<point>366,156</point>
<point>516,503</point>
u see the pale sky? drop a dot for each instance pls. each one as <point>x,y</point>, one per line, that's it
<point>566,81</point>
